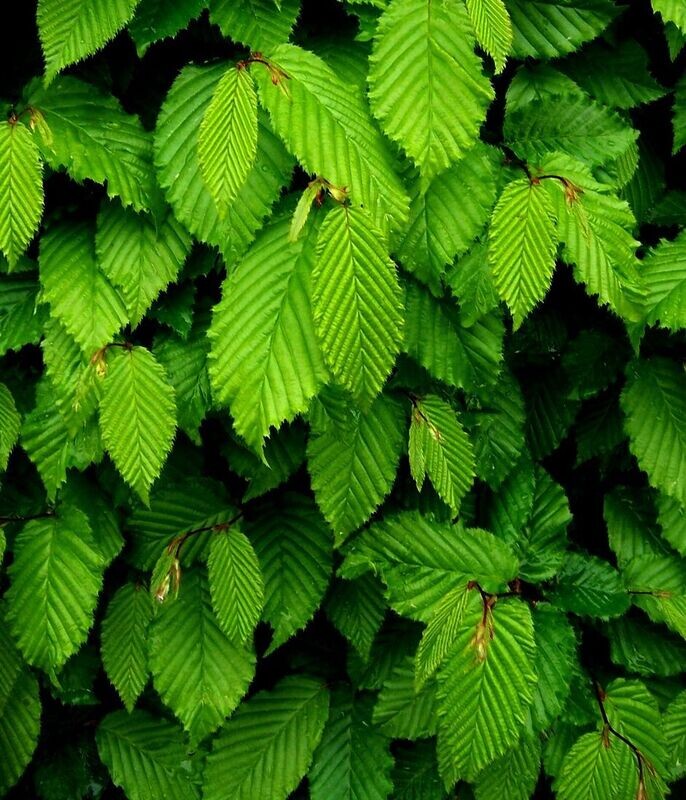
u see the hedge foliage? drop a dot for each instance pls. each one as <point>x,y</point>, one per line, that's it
<point>343,403</point>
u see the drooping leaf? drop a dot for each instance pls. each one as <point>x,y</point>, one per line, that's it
<point>137,417</point>
<point>266,748</point>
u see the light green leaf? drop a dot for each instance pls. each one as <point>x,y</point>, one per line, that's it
<point>493,29</point>
<point>255,23</point>
<point>325,123</point>
<point>10,423</point>
<point>199,673</point>
<point>597,767</point>
<point>227,142</point>
<point>294,548</point>
<point>124,646</point>
<point>236,584</point>
<point>69,31</point>
<point>356,301</point>
<point>353,758</point>
<point>426,83</point>
<point>21,186</point>
<point>353,464</point>
<point>265,362</point>
<point>671,11</point>
<point>654,404</point>
<point>176,158</point>
<point>146,756</point>
<point>440,633</point>
<point>141,255</point>
<point>447,456</point>
<point>490,671</point>
<point>80,295</point>
<point>56,577</point>
<point>263,752</point>
<point>522,245</point>
<point>93,138</point>
<point>675,734</point>
<point>664,271</point>
<point>137,417</point>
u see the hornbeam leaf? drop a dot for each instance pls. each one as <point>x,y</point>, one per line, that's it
<point>81,296</point>
<point>146,756</point>
<point>357,302</point>
<point>426,82</point>
<point>493,29</point>
<point>124,642</point>
<point>56,577</point>
<point>93,138</point>
<point>671,11</point>
<point>325,123</point>
<point>72,30</point>
<point>353,758</point>
<point>522,246</point>
<point>139,254</point>
<point>156,19</point>
<point>21,186</point>
<point>654,404</point>
<point>596,767</point>
<point>664,272</point>
<point>10,424</point>
<point>403,711</point>
<point>513,776</point>
<point>199,673</point>
<point>227,142</point>
<point>353,465</point>
<point>236,584</point>
<point>265,749</point>
<point>485,687</point>
<point>255,22</point>
<point>265,362</point>
<point>137,417</point>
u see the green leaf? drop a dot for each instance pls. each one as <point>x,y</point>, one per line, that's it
<point>435,335</point>
<point>353,464</point>
<point>402,710</point>
<point>176,158</point>
<point>56,577</point>
<point>513,776</point>
<point>679,118</point>
<point>177,507</point>
<point>415,776</point>
<point>10,423</point>
<point>353,758</point>
<point>631,528</point>
<point>266,748</point>
<point>265,362</point>
<point>522,246</point>
<point>294,548</point>
<point>325,123</point>
<point>20,712</point>
<point>440,633</point>
<point>671,11</point>
<point>675,734</point>
<point>448,215</point>
<point>548,29</point>
<point>590,586</point>
<point>356,301</point>
<point>255,22</point>
<point>578,127</point>
<point>236,584</point>
<point>493,29</point>
<point>199,673</point>
<point>646,649</point>
<point>92,137</point>
<point>421,560</point>
<point>672,518</point>
<point>556,647</point>
<point>227,142</point>
<point>70,31</point>
<point>654,404</point>
<point>81,296</point>
<point>422,69</point>
<point>137,417</point>
<point>664,271</point>
<point>597,767</point>
<point>21,316</point>
<point>21,186</point>
<point>141,255</point>
<point>356,608</point>
<point>471,282</point>
<point>156,19</point>
<point>124,644</point>
<point>490,671</point>
<point>444,449</point>
<point>146,756</point>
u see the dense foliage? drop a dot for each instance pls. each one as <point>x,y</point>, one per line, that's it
<point>343,403</point>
